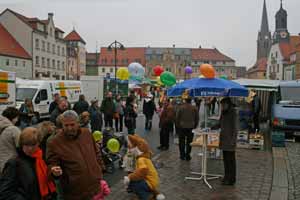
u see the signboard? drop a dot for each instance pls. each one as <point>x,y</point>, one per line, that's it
<point>7,89</point>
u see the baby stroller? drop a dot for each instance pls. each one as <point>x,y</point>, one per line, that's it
<point>108,156</point>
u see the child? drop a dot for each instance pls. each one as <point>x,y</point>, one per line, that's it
<point>144,180</point>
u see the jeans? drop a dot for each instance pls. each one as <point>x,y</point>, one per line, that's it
<point>119,121</point>
<point>141,189</point>
<point>185,139</point>
<point>229,166</point>
<point>148,122</point>
<point>108,119</point>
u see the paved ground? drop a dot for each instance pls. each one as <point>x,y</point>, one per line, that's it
<point>293,167</point>
<point>253,182</point>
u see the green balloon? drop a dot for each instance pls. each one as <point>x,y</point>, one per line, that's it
<point>224,77</point>
<point>113,145</point>
<point>168,78</point>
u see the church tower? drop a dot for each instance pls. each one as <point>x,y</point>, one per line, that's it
<point>281,33</point>
<point>264,40</point>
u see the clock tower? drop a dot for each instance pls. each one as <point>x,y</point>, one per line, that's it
<point>281,33</point>
<point>264,40</point>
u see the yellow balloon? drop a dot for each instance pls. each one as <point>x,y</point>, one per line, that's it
<point>123,73</point>
<point>158,81</point>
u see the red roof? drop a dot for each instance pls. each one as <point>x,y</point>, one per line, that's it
<point>74,36</point>
<point>288,48</point>
<point>124,57</point>
<point>260,65</point>
<point>9,46</point>
<point>209,55</point>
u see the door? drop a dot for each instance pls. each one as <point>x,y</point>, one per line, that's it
<point>42,102</point>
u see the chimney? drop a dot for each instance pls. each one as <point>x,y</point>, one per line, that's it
<point>50,15</point>
<point>173,45</point>
<point>200,47</point>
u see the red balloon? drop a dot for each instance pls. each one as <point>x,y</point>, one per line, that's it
<point>158,70</point>
<point>207,71</point>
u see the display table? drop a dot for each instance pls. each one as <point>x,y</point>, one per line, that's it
<point>205,144</point>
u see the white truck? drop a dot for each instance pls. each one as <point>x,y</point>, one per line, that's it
<point>41,93</point>
<point>7,89</point>
<point>92,87</point>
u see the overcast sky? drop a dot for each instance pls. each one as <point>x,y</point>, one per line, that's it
<point>230,25</point>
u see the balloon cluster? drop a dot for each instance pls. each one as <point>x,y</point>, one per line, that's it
<point>134,71</point>
<point>164,77</point>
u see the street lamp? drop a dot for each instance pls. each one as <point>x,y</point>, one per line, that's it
<point>116,45</point>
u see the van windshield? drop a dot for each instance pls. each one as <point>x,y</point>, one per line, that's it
<point>290,94</point>
<point>23,93</point>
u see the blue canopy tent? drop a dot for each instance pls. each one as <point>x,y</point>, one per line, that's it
<point>203,87</point>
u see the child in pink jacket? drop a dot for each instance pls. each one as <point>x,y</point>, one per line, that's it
<point>104,191</point>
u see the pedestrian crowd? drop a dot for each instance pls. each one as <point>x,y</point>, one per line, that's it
<point>62,158</point>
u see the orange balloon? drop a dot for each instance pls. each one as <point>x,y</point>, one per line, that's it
<point>207,71</point>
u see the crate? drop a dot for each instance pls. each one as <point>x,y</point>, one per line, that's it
<point>256,141</point>
<point>278,139</point>
<point>242,137</point>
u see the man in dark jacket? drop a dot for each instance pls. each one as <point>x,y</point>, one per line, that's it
<point>256,106</point>
<point>228,125</point>
<point>187,118</point>
<point>148,110</point>
<point>62,107</point>
<point>54,103</point>
<point>81,106</point>
<point>74,158</point>
<point>108,109</point>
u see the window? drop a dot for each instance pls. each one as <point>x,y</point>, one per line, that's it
<point>63,65</point>
<point>37,44</point>
<point>63,51</point>
<point>43,62</point>
<point>276,55</point>
<point>111,70</point>
<point>103,70</point>
<point>24,63</point>
<point>58,65</point>
<point>53,64</point>
<point>58,50</point>
<point>37,60</point>
<point>224,63</point>
<point>16,63</point>
<point>48,62</point>
<point>7,62</point>
<point>43,45</point>
<point>277,68</point>
<point>48,47</point>
<point>50,31</point>
<point>112,61</point>
<point>53,48</point>
<point>213,62</point>
<point>43,96</point>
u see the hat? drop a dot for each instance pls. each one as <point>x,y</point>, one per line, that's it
<point>140,143</point>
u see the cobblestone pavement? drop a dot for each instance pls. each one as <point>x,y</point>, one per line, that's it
<point>254,178</point>
<point>293,167</point>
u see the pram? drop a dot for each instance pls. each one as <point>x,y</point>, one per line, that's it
<point>109,157</point>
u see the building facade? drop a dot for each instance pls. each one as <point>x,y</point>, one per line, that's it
<point>13,56</point>
<point>76,55</point>
<point>41,40</point>
<point>92,68</point>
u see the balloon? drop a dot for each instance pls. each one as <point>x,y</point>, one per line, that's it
<point>158,81</point>
<point>158,70</point>
<point>201,76</point>
<point>168,78</point>
<point>123,73</point>
<point>113,145</point>
<point>97,135</point>
<point>207,71</point>
<point>188,70</point>
<point>136,69</point>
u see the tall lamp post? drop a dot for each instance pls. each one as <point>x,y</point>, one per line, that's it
<point>116,45</point>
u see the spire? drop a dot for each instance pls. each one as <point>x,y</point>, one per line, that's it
<point>281,4</point>
<point>264,22</point>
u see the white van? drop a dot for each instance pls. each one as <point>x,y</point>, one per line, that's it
<point>7,90</point>
<point>41,92</point>
<point>92,87</point>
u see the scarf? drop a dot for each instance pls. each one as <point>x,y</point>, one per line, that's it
<point>46,186</point>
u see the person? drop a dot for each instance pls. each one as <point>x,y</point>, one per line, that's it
<point>198,102</point>
<point>144,180</point>
<point>47,130</point>
<point>213,105</point>
<point>108,109</point>
<point>187,118</point>
<point>119,114</point>
<point>75,160</point>
<point>228,135</point>
<point>62,107</point>
<point>149,108</point>
<point>81,105</point>
<point>166,124</point>
<point>27,114</point>
<point>130,115</point>
<point>84,120</point>
<point>25,176</point>
<point>256,106</point>
<point>54,103</point>
<point>68,103</point>
<point>9,135</point>
<point>96,116</point>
